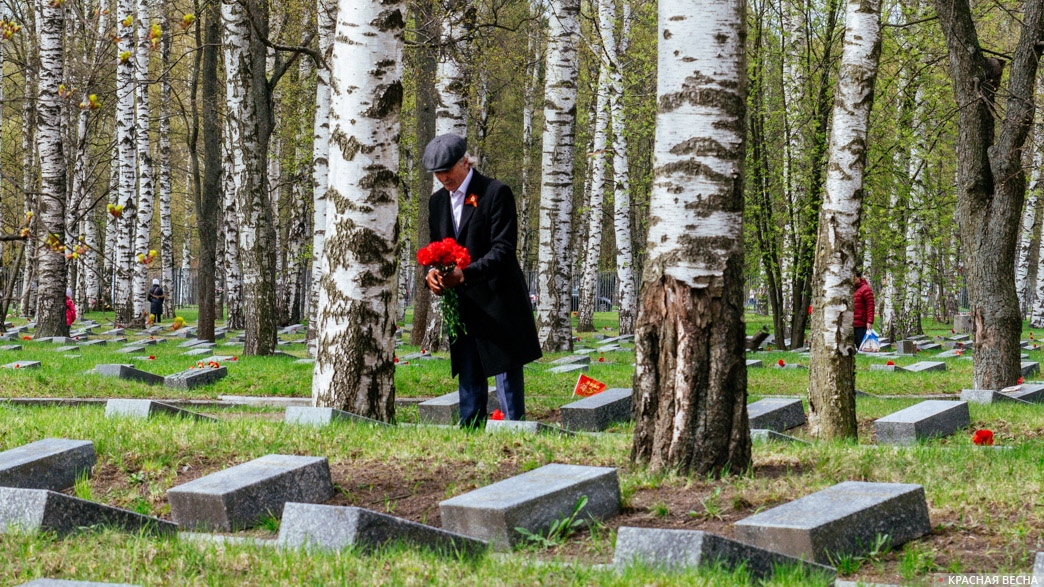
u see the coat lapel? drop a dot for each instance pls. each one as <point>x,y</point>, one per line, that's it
<point>477,187</point>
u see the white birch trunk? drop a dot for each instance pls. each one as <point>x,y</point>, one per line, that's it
<point>1029,220</point>
<point>690,378</point>
<point>52,275</point>
<point>354,366</point>
<point>123,257</point>
<point>146,186</point>
<point>26,305</point>
<point>832,364</point>
<point>165,182</point>
<point>625,276</point>
<point>230,232</point>
<point>186,266</point>
<point>556,190</point>
<point>913,282</point>
<point>593,249</point>
<point>794,47</point>
<point>528,109</point>
<point>326,19</point>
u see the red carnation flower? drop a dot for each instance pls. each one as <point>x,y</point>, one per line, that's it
<point>983,438</point>
<point>601,359</point>
<point>396,359</point>
<point>781,363</point>
<point>152,357</point>
<point>1020,380</point>
<point>496,415</point>
<point>890,363</point>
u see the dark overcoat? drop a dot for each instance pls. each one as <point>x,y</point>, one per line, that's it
<point>494,298</point>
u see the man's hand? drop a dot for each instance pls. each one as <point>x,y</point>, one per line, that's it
<point>453,278</point>
<point>433,281</point>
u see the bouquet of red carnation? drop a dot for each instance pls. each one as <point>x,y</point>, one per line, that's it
<point>445,255</point>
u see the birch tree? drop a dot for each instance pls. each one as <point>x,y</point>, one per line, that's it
<point>690,383</point>
<point>126,153</point>
<point>529,98</point>
<point>230,230</point>
<point>831,396</point>
<point>164,177</point>
<point>146,185</point>
<point>556,190</point>
<point>354,366</point>
<point>50,320</point>
<point>625,277</point>
<point>593,249</point>
<point>326,21</point>
<point>991,183</point>
<point>1030,223</point>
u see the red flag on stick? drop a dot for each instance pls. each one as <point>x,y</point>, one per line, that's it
<point>586,386</point>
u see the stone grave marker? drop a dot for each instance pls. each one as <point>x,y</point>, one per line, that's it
<point>1027,392</point>
<point>932,346</point>
<point>95,342</point>
<point>41,510</point>
<point>195,377</point>
<point>924,420</point>
<point>324,417</point>
<point>114,332</point>
<point>963,323</point>
<point>145,408</point>
<point>777,414</point>
<point>334,528</point>
<point>609,348</point>
<point>197,352</point>
<point>959,338</point>
<point>844,519</point>
<point>239,497</point>
<point>925,366</point>
<point>1038,568</point>
<point>131,348</point>
<point>754,364</point>
<point>889,368</point>
<point>221,359</point>
<point>569,368</point>
<point>11,347</point>
<point>599,411</point>
<point>764,435</point>
<point>1030,368</point>
<point>66,349</point>
<point>905,347</point>
<point>532,501</point>
<point>128,372</point>
<point>51,463</point>
<point>523,427</point>
<point>62,340</point>
<point>986,396</point>
<point>950,354</point>
<point>304,362</point>
<point>572,360</point>
<point>679,550</point>
<point>23,365</point>
<point>445,409</point>
<point>786,365</point>
<point>190,343</point>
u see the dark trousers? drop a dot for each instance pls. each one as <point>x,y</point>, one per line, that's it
<point>860,334</point>
<point>158,311</point>
<point>474,387</point>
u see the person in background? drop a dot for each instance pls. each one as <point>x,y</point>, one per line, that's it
<point>156,297</point>
<point>863,308</point>
<point>70,308</point>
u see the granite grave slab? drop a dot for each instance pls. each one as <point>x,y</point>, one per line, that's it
<point>987,396</point>
<point>325,416</point>
<point>51,463</point>
<point>927,419</point>
<point>599,411</point>
<point>678,550</point>
<point>23,365</point>
<point>572,360</point>
<point>335,528</point>
<point>146,408</point>
<point>925,367</point>
<point>532,501</point>
<point>128,372</point>
<point>1030,368</point>
<point>445,409</point>
<point>64,583</point>
<point>195,377</point>
<point>41,510</point>
<point>523,427</point>
<point>754,364</point>
<point>844,519</point>
<point>239,497</point>
<point>777,414</point>
<point>1027,392</point>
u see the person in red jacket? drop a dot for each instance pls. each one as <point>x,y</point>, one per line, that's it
<point>863,314</point>
<point>70,308</point>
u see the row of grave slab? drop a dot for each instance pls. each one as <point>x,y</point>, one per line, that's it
<point>847,518</point>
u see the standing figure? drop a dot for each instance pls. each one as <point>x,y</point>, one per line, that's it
<point>863,307</point>
<point>500,332</point>
<point>156,297</point>
<point>70,308</point>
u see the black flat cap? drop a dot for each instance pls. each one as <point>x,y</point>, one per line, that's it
<point>443,152</point>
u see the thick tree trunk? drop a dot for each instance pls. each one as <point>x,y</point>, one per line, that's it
<point>991,184</point>
<point>209,198</point>
<point>51,318</point>
<point>690,396</point>
<point>354,366</point>
<point>556,190</point>
<point>326,20</point>
<point>831,394</point>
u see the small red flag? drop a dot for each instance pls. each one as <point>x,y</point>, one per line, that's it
<point>586,386</point>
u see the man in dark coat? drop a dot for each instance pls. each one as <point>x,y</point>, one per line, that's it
<point>501,337</point>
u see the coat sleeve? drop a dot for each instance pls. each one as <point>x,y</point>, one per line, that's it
<point>869,306</point>
<point>503,238</point>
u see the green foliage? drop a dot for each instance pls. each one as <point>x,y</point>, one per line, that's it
<point>560,529</point>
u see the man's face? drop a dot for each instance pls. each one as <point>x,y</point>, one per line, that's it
<point>454,176</point>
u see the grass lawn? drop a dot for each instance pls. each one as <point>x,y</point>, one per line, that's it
<point>984,502</point>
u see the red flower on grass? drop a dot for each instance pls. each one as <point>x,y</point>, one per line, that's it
<point>27,338</point>
<point>952,331</point>
<point>396,359</point>
<point>983,438</point>
<point>780,363</point>
<point>152,357</point>
<point>890,363</point>
<point>601,359</point>
<point>1020,380</point>
<point>496,415</point>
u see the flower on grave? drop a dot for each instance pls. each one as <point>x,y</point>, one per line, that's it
<point>405,363</point>
<point>890,363</point>
<point>578,339</point>
<point>983,438</point>
<point>152,357</point>
<point>601,359</point>
<point>27,338</point>
<point>1020,380</point>
<point>958,352</point>
<point>952,331</point>
<point>574,314</point>
<point>213,364</point>
<point>17,366</point>
<point>396,359</point>
<point>780,363</point>
<point>235,358</point>
<point>496,415</point>
<point>199,364</point>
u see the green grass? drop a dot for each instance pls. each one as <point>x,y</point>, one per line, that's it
<point>982,501</point>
